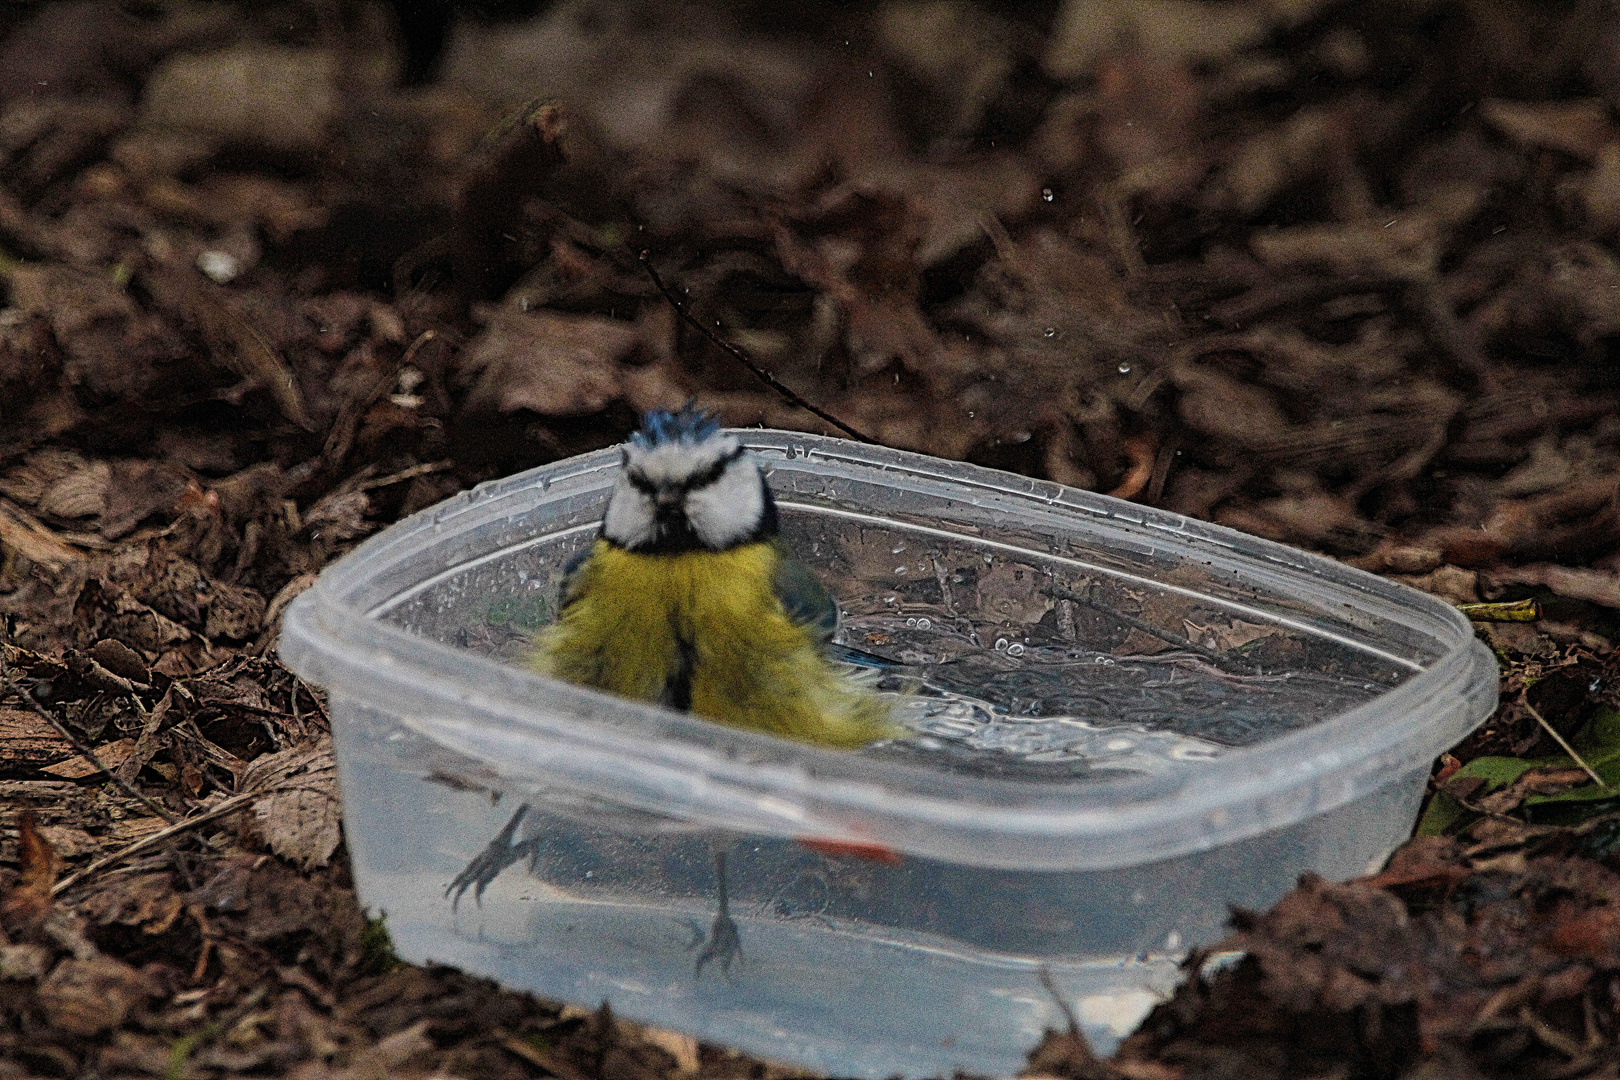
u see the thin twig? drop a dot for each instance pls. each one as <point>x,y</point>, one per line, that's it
<point>83,750</point>
<point>1044,973</point>
<point>1568,749</point>
<point>405,474</point>
<point>232,803</point>
<point>745,360</point>
<point>313,700</point>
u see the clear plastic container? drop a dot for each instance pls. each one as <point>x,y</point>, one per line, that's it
<point>1130,722</point>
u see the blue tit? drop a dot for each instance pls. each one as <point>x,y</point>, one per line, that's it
<point>690,598</point>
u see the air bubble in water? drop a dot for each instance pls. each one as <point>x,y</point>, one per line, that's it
<point>1046,193</point>
<point>1124,368</point>
<point>923,624</point>
<point>1001,644</point>
<point>1049,332</point>
<point>1015,649</point>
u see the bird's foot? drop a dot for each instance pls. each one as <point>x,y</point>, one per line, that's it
<point>722,945</point>
<point>497,855</point>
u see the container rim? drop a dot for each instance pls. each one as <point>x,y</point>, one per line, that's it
<point>658,760</point>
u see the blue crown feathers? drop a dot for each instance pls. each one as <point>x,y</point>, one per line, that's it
<point>690,425</point>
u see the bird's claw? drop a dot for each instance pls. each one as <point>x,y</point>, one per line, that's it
<point>723,945</point>
<point>497,855</point>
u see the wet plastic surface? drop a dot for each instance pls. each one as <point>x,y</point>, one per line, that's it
<point>1128,722</point>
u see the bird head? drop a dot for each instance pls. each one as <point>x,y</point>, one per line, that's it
<point>687,486</point>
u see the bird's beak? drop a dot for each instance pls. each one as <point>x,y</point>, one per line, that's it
<point>667,499</point>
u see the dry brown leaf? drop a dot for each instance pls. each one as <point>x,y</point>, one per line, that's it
<point>1580,128</point>
<point>69,842</point>
<point>234,612</point>
<point>112,755</point>
<point>1173,30</point>
<point>1227,638</point>
<point>21,534</point>
<point>233,341</point>
<point>339,516</point>
<point>29,901</point>
<point>27,742</point>
<point>1015,592</point>
<point>299,815</point>
<point>82,493</point>
<point>683,1048</point>
<point>1577,583</point>
<point>149,901</point>
<point>555,365</point>
<point>89,996</point>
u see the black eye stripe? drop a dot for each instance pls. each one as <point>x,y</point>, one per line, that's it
<point>691,483</point>
<point>713,472</point>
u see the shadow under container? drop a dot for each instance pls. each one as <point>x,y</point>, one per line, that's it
<point>897,906</point>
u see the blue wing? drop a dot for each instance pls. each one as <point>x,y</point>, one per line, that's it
<point>804,597</point>
<point>573,582</point>
<point>809,604</point>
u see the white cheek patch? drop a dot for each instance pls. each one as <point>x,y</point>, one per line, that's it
<point>727,511</point>
<point>631,520</point>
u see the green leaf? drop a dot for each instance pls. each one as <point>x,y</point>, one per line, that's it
<point>1444,811</point>
<point>1598,743</point>
<point>1441,813</point>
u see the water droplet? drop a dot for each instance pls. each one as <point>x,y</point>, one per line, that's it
<point>911,622</point>
<point>900,569</point>
<point>1124,368</point>
<point>1049,332</point>
<point>988,559</point>
<point>923,624</point>
<point>1046,193</point>
<point>970,414</point>
<point>1001,644</point>
<point>1015,649</point>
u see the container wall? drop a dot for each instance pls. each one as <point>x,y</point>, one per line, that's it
<point>867,966</point>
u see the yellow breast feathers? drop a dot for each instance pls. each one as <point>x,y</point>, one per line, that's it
<point>706,631</point>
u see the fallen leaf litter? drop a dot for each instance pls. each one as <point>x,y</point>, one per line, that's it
<point>1340,275</point>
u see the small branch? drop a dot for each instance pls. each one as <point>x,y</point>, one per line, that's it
<point>405,474</point>
<point>1044,973</point>
<point>745,360</point>
<point>83,750</point>
<point>1568,749</point>
<point>235,802</point>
